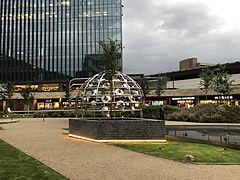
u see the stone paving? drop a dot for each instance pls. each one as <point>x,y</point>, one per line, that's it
<point>82,160</point>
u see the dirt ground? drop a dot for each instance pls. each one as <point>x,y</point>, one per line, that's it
<point>82,160</point>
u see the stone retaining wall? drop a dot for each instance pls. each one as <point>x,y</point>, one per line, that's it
<point>125,129</point>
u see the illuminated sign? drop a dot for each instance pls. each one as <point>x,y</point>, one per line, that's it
<point>223,97</point>
<point>50,87</point>
<point>18,88</point>
<point>183,98</point>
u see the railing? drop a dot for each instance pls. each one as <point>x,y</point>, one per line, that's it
<point>223,134</point>
<point>31,112</point>
<point>44,112</point>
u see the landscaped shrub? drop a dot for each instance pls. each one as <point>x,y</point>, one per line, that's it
<point>152,112</point>
<point>56,114</point>
<point>2,113</point>
<point>67,113</point>
<point>37,114</point>
<point>209,113</point>
<point>232,114</point>
<point>169,109</point>
<point>182,114</point>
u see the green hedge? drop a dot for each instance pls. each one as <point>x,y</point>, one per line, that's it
<point>200,113</point>
<point>209,113</point>
<point>56,114</point>
<point>63,114</point>
<point>152,112</point>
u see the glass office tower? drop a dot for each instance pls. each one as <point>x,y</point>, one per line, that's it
<point>55,40</point>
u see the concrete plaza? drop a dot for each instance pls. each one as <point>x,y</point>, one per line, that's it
<point>77,159</point>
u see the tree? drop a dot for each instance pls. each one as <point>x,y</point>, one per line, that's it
<point>110,56</point>
<point>161,85</point>
<point>222,82</point>
<point>67,95</point>
<point>7,91</point>
<point>27,96</point>
<point>206,80</point>
<point>109,61</point>
<point>143,83</point>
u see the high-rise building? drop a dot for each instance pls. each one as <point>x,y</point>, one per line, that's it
<point>55,40</point>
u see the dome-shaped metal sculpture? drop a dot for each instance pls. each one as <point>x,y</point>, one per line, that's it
<point>97,95</point>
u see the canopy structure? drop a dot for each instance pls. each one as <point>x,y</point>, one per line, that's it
<point>96,94</point>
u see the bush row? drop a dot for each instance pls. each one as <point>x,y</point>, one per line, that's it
<point>55,114</point>
<point>153,112</point>
<point>63,114</point>
<point>209,113</point>
<point>200,113</point>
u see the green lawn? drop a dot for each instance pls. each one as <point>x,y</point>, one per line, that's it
<point>15,164</point>
<point>176,150</point>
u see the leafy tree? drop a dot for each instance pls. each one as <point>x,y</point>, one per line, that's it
<point>222,82</point>
<point>143,83</point>
<point>27,96</point>
<point>109,61</point>
<point>206,80</point>
<point>7,91</point>
<point>161,85</point>
<point>67,95</point>
<point>110,56</point>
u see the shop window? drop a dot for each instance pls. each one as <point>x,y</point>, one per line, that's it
<point>48,105</point>
<point>40,105</point>
<point>56,105</point>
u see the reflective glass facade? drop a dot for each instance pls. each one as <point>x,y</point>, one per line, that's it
<point>54,40</point>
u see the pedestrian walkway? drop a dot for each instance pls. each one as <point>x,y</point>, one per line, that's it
<point>5,121</point>
<point>81,160</point>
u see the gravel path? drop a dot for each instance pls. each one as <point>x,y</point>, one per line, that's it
<point>81,160</point>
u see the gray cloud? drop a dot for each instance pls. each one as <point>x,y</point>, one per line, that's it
<point>157,35</point>
<point>190,19</point>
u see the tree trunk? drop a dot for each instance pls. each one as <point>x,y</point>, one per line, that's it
<point>111,100</point>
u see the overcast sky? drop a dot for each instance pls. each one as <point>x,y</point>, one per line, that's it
<point>157,34</point>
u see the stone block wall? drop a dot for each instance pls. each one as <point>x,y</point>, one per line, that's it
<point>124,129</point>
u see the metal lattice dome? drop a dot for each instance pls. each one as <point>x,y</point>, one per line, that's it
<point>96,95</point>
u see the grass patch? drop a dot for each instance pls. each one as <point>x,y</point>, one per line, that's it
<point>15,164</point>
<point>176,150</point>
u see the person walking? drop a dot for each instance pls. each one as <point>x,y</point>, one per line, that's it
<point>161,113</point>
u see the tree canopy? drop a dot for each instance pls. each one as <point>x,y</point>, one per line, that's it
<point>161,85</point>
<point>110,62</point>
<point>222,82</point>
<point>206,81</point>
<point>217,79</point>
<point>110,56</point>
<point>143,83</point>
<point>6,92</point>
<point>27,96</point>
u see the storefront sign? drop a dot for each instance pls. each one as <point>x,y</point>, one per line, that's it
<point>50,87</point>
<point>19,88</point>
<point>183,98</point>
<point>223,97</point>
